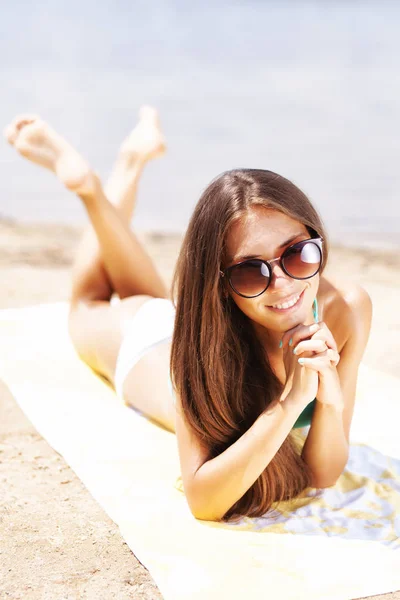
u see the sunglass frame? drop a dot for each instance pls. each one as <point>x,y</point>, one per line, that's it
<point>318,241</point>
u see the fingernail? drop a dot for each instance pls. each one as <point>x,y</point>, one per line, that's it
<point>280,344</point>
<point>291,341</point>
<point>294,350</point>
<point>301,361</point>
<point>314,327</point>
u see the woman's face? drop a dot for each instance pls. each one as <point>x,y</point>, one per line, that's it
<point>266,233</point>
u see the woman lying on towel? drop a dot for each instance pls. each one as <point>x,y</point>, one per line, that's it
<point>253,341</point>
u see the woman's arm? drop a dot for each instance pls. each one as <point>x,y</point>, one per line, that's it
<point>218,483</point>
<point>327,445</point>
<point>326,449</point>
<point>213,486</point>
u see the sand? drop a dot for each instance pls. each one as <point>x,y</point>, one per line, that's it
<point>56,542</point>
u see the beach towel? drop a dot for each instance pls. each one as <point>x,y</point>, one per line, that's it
<point>339,542</point>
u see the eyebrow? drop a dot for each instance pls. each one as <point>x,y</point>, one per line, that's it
<point>248,256</point>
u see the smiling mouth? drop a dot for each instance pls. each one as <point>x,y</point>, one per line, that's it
<point>289,308</point>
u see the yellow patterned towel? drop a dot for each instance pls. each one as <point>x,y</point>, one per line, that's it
<point>337,543</point>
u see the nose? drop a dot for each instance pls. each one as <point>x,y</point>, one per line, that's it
<point>280,279</point>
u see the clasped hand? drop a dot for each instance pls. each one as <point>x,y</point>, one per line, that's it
<point>316,348</point>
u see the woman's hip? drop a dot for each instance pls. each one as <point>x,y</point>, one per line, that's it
<point>151,327</point>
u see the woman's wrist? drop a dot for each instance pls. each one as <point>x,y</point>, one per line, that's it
<point>294,405</point>
<point>334,408</point>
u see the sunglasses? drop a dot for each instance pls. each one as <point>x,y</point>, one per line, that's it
<point>251,278</point>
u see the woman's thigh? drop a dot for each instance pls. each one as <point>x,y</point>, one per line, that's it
<point>96,329</point>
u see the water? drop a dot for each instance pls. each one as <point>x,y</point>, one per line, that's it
<point>307,89</point>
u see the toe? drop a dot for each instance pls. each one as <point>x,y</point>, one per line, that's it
<point>12,131</point>
<point>23,120</point>
<point>30,137</point>
<point>148,112</point>
<point>36,132</point>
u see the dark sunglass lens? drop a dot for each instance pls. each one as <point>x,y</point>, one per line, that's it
<point>303,260</point>
<point>250,278</point>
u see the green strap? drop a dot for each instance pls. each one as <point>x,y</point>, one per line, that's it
<point>305,417</point>
<point>315,310</point>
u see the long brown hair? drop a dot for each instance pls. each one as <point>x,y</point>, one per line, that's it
<point>218,366</point>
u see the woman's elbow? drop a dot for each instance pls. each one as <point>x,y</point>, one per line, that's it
<point>200,507</point>
<point>205,516</point>
<point>202,511</point>
<point>324,483</point>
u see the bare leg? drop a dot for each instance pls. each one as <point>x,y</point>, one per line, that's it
<point>128,267</point>
<point>90,279</point>
<point>96,326</point>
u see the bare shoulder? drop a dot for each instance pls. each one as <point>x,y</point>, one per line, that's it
<point>346,308</point>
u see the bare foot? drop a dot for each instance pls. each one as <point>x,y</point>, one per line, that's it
<point>146,141</point>
<point>39,143</point>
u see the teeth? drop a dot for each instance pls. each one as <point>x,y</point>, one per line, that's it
<point>287,304</point>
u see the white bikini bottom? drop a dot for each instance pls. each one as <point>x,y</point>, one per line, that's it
<point>150,326</point>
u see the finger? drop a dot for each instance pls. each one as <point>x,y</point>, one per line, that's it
<point>316,331</point>
<point>333,356</point>
<point>317,363</point>
<point>298,333</point>
<point>313,345</point>
<point>324,333</point>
